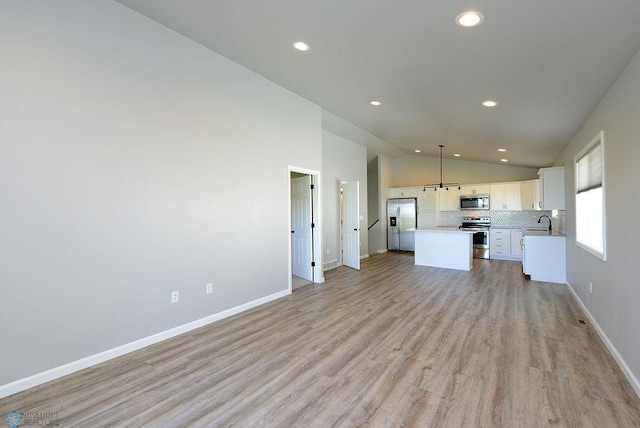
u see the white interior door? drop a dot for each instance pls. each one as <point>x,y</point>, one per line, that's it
<point>351,224</point>
<point>301,230</point>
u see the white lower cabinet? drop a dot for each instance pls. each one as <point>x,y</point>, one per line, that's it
<point>499,243</point>
<point>504,244</point>
<point>544,258</point>
<point>516,243</point>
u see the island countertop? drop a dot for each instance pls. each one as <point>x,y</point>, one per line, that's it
<point>445,229</point>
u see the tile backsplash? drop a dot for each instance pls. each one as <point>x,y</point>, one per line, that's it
<point>502,218</point>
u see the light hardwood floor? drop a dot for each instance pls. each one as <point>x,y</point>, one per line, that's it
<point>391,345</point>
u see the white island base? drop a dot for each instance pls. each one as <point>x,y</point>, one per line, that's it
<point>444,248</point>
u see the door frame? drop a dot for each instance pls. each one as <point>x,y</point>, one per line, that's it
<point>302,187</point>
<point>318,273</point>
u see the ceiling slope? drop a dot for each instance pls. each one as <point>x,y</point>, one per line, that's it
<point>546,63</point>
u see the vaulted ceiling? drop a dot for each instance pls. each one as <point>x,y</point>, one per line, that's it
<point>547,64</point>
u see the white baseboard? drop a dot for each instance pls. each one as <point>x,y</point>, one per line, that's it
<point>382,251</point>
<point>633,380</point>
<point>83,363</point>
<point>364,256</point>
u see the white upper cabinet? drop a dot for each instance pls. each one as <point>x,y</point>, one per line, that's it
<point>403,192</point>
<point>449,199</point>
<point>552,184</point>
<point>427,200</point>
<point>513,196</point>
<point>475,189</point>
<point>505,196</point>
<point>530,195</point>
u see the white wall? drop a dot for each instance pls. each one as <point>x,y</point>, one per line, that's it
<point>616,293</point>
<point>415,170</point>
<point>385,181</point>
<point>375,146</point>
<point>342,161</point>
<point>373,204</point>
<point>372,192</point>
<point>133,162</point>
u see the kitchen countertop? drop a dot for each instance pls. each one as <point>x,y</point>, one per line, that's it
<point>445,229</point>
<point>545,232</point>
<point>531,230</point>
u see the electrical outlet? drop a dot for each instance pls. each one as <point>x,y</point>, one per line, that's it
<point>209,288</point>
<point>175,297</point>
<point>590,287</point>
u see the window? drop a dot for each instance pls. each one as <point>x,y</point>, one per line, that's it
<point>590,198</point>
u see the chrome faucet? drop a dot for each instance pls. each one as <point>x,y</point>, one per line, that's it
<point>540,218</point>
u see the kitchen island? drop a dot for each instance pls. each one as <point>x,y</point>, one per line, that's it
<point>444,247</point>
<point>544,255</point>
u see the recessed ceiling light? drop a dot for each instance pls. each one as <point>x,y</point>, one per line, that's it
<point>457,155</point>
<point>301,46</point>
<point>469,18</point>
<point>489,103</point>
<point>417,150</point>
<point>375,103</point>
<point>504,160</point>
<point>502,150</point>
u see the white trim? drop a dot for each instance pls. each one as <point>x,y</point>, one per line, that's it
<point>508,258</point>
<point>83,363</point>
<point>592,251</point>
<point>599,138</point>
<point>364,256</point>
<point>382,251</point>
<point>633,380</point>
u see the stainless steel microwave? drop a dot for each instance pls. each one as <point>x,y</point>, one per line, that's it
<point>474,202</point>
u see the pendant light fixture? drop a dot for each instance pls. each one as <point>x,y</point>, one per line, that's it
<point>441,184</point>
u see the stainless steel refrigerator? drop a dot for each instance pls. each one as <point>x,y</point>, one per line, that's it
<point>401,223</point>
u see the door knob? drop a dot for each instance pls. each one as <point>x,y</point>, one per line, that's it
<point>355,230</point>
<point>293,231</point>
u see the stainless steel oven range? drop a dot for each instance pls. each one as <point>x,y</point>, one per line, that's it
<point>481,226</point>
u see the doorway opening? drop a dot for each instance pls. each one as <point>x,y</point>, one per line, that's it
<point>305,264</point>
